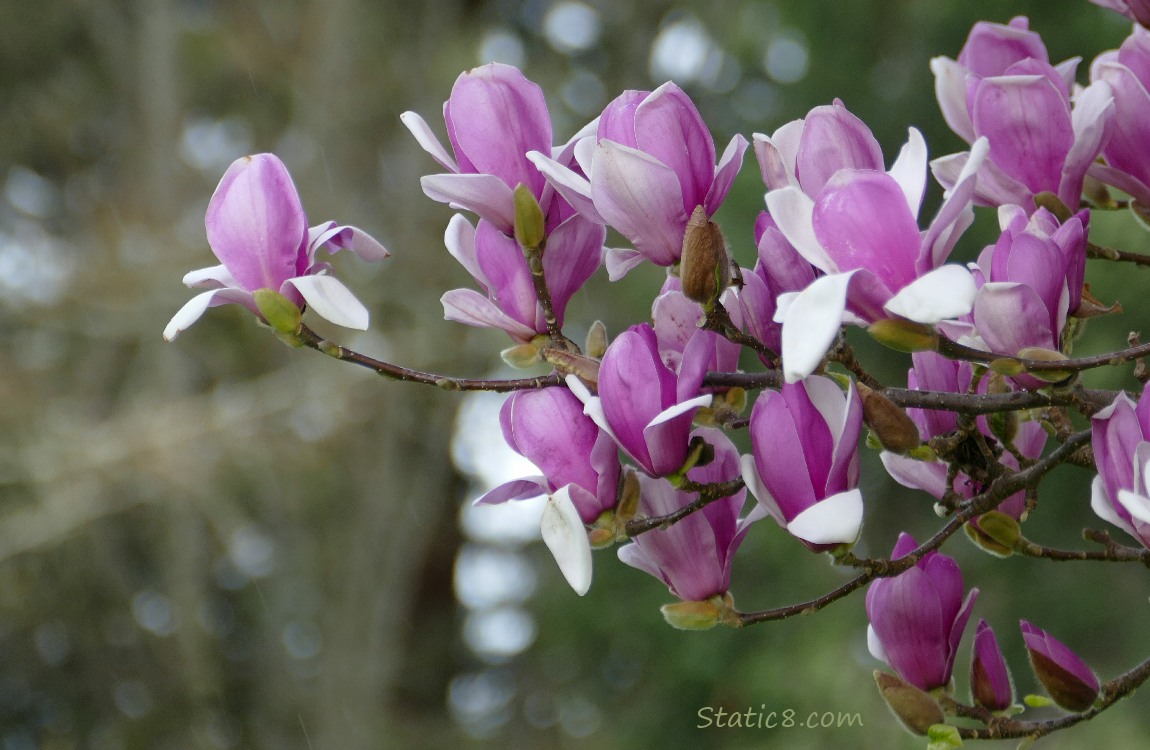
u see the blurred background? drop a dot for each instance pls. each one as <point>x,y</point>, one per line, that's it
<point>225,543</point>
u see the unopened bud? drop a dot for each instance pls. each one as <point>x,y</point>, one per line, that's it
<point>1046,355</point>
<point>705,269</point>
<point>904,335</point>
<point>914,708</point>
<point>521,357</point>
<point>280,312</point>
<point>893,428</point>
<point>596,343</point>
<point>704,615</point>
<point>1053,204</point>
<point>995,532</point>
<point>530,227</point>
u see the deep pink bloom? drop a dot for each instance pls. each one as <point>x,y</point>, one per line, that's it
<point>257,228</point>
<point>1121,491</point>
<point>650,163</point>
<point>494,117</point>
<point>645,405</point>
<point>1003,88</point>
<point>693,557</point>
<point>1127,72</point>
<point>1033,280</point>
<point>990,685</point>
<point>1071,683</point>
<point>804,468</point>
<point>917,617</point>
<point>861,230</point>
<point>548,427</point>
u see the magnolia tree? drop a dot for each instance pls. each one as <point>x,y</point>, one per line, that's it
<point>631,432</point>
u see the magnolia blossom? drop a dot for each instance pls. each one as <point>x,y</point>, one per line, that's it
<point>934,372</point>
<point>1071,683</point>
<point>1034,279</point>
<point>990,685</point>
<point>650,163</point>
<point>496,261</point>
<point>693,557</point>
<point>547,426</point>
<point>675,320</point>
<point>257,228</point>
<point>1136,10</point>
<point>494,117</point>
<point>1003,88</point>
<point>804,469</point>
<point>861,230</point>
<point>645,405</point>
<point>806,153</point>
<point>917,617</point>
<point>1120,493</point>
<point>1127,72</point>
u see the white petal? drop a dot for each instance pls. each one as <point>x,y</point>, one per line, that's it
<point>592,405</point>
<point>188,314</point>
<point>459,238</point>
<point>485,194</point>
<point>471,308</point>
<point>812,322</point>
<point>1102,508</point>
<point>574,188</point>
<point>910,168</point>
<point>566,537</point>
<point>874,645</point>
<point>946,292</point>
<point>427,139</point>
<point>832,521</point>
<point>620,260</point>
<point>331,300</point>
<point>1138,505</point>
<point>759,490</point>
<point>680,408</point>
<point>793,211</point>
<point>215,277</point>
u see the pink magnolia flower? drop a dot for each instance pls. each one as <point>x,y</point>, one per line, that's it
<point>1127,72</point>
<point>693,557</point>
<point>804,466</point>
<point>257,228</point>
<point>1003,88</point>
<point>1120,493</point>
<point>990,685</point>
<point>649,165</point>
<point>548,427</point>
<point>644,404</point>
<point>917,617</point>
<point>1071,683</point>
<point>861,230</point>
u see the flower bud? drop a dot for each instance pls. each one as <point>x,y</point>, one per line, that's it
<point>914,708</point>
<point>894,429</point>
<point>904,335</point>
<point>1046,355</point>
<point>529,222</point>
<point>1054,205</point>
<point>1065,676</point>
<point>704,615</point>
<point>989,679</point>
<point>994,532</point>
<point>596,342</point>
<point>521,357</point>
<point>280,312</point>
<point>705,268</point>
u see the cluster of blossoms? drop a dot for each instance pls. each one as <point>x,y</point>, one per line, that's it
<point>631,434</point>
